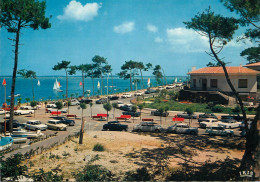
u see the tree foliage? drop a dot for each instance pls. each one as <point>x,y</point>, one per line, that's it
<point>16,15</point>
<point>12,167</point>
<point>158,74</point>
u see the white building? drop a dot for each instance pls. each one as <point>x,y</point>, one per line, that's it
<point>213,79</point>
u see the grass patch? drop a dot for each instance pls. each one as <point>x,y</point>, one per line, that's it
<point>98,147</point>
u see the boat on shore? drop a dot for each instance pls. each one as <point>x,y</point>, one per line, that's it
<point>22,133</point>
<point>5,142</point>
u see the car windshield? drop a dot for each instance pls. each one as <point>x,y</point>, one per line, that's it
<point>38,122</point>
<point>58,122</point>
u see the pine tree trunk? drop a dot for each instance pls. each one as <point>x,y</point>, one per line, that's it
<point>93,83</point>
<point>83,84</point>
<point>82,129</point>
<point>32,88</point>
<point>14,77</point>
<point>142,79</point>
<point>67,84</point>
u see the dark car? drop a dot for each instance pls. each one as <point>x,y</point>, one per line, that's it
<point>113,97</point>
<point>186,115</point>
<point>64,120</point>
<point>133,114</point>
<point>157,113</point>
<point>231,117</point>
<point>86,101</point>
<point>125,108</point>
<point>101,101</point>
<point>150,91</point>
<point>115,126</point>
<point>208,115</point>
<point>16,124</point>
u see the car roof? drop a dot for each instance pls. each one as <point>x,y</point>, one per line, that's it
<point>113,122</point>
<point>33,120</point>
<point>54,120</point>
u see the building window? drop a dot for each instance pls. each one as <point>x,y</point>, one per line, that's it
<point>242,83</point>
<point>213,83</point>
<point>194,83</point>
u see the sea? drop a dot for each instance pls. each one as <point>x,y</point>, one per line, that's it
<point>45,91</point>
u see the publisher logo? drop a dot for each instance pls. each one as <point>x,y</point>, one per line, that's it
<point>246,174</point>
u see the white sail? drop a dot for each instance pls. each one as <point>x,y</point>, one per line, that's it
<point>98,85</point>
<point>54,86</point>
<point>176,80</point>
<point>38,83</point>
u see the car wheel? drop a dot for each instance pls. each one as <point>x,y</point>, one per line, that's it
<point>229,135</point>
<point>192,132</point>
<point>138,130</point>
<point>58,129</point>
<point>229,127</point>
<point>157,131</point>
<point>174,132</point>
<point>124,129</point>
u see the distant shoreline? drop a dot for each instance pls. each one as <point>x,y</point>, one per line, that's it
<point>114,76</point>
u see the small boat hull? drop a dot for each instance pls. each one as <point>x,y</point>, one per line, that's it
<point>19,140</point>
<point>5,143</point>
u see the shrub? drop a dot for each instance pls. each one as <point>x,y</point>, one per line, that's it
<point>236,109</point>
<point>94,172</point>
<point>217,109</point>
<point>46,176</point>
<point>140,174</point>
<point>98,147</point>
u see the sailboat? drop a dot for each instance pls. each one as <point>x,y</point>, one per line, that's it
<point>176,80</point>
<point>38,83</point>
<point>57,86</point>
<point>148,82</point>
<point>98,85</point>
<point>80,83</point>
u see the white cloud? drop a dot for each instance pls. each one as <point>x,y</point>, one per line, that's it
<point>152,28</point>
<point>186,40</point>
<point>125,27</point>
<point>158,40</point>
<point>76,11</point>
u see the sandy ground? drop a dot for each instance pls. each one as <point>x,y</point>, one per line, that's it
<point>126,151</point>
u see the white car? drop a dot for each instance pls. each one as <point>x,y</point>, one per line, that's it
<point>2,111</point>
<point>50,105</point>
<point>35,125</point>
<point>170,86</point>
<point>139,93</point>
<point>56,125</point>
<point>26,108</point>
<point>209,122</point>
<point>160,87</point>
<point>74,102</point>
<point>126,95</point>
<point>23,112</point>
<point>119,104</point>
<point>230,124</point>
<point>63,110</point>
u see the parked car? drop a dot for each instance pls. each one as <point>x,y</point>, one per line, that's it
<point>2,111</point>
<point>16,124</point>
<point>23,112</point>
<point>209,122</point>
<point>35,125</point>
<point>56,125</point>
<point>119,104</point>
<point>126,107</point>
<point>170,86</point>
<point>113,97</point>
<point>74,102</point>
<point>218,130</point>
<point>50,105</point>
<point>232,116</point>
<point>150,91</point>
<point>64,120</point>
<point>86,101</point>
<point>126,95</point>
<point>186,115</point>
<point>157,113</point>
<point>133,114</point>
<point>139,93</point>
<point>115,126</point>
<point>26,108</point>
<point>148,126</point>
<point>160,87</point>
<point>230,123</point>
<point>182,128</point>
<point>208,115</point>
<point>101,101</point>
<point>63,110</point>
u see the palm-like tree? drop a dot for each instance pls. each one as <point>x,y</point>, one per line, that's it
<point>64,65</point>
<point>28,74</point>
<point>82,106</point>
<point>90,105</point>
<point>128,71</point>
<point>107,107</point>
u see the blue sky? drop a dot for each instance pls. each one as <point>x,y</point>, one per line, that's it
<point>119,30</point>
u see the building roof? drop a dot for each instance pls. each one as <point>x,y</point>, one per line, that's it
<point>253,64</point>
<point>232,70</point>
